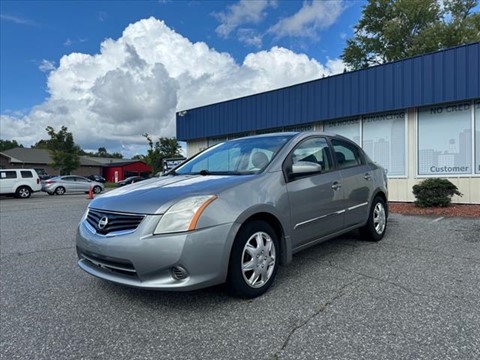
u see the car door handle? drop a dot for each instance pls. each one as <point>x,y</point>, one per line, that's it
<point>367,176</point>
<point>336,186</point>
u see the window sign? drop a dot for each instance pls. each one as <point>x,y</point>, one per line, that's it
<point>348,128</point>
<point>445,140</point>
<point>384,141</point>
<point>477,137</point>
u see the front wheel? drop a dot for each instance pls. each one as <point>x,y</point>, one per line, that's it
<point>97,189</point>
<point>254,260</point>
<point>23,192</point>
<point>374,229</point>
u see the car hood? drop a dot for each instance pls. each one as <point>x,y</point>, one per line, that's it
<point>156,195</point>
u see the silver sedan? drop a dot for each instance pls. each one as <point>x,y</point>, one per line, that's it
<point>234,213</point>
<point>60,185</point>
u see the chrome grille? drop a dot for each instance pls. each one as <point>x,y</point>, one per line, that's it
<point>105,222</point>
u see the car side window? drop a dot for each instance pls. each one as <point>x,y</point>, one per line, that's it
<point>346,155</point>
<point>314,150</point>
<point>26,174</point>
<point>69,178</point>
<point>8,175</point>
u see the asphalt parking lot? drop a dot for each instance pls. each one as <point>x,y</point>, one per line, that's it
<point>414,295</point>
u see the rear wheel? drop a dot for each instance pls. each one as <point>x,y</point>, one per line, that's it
<point>253,260</point>
<point>60,190</point>
<point>23,192</point>
<point>374,229</point>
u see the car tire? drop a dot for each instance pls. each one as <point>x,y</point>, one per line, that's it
<point>23,192</point>
<point>97,189</point>
<point>375,228</point>
<point>49,193</point>
<point>254,260</point>
<point>60,190</point>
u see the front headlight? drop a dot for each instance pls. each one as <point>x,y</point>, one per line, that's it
<point>184,215</point>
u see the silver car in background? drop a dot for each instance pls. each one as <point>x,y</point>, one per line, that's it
<point>233,213</point>
<point>60,185</point>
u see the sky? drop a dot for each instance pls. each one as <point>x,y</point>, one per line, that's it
<point>111,71</point>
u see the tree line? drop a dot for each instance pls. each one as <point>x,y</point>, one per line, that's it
<point>66,154</point>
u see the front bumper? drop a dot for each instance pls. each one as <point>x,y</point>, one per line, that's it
<point>143,260</point>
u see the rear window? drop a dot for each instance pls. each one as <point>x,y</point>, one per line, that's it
<point>8,174</point>
<point>26,174</point>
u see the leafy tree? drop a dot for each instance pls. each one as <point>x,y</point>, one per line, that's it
<point>396,29</point>
<point>102,152</point>
<point>9,144</point>
<point>64,152</point>
<point>163,148</point>
<point>41,144</point>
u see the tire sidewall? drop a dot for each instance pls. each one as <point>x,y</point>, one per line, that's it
<point>370,227</point>
<point>22,189</point>
<point>236,282</point>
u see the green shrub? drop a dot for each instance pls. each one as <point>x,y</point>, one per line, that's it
<point>435,192</point>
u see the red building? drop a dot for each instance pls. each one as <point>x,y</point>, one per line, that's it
<point>117,171</point>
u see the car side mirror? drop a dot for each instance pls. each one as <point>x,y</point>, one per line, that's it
<point>305,168</point>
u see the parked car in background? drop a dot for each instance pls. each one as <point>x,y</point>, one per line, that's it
<point>97,178</point>
<point>130,180</point>
<point>234,213</point>
<point>19,182</point>
<point>60,185</point>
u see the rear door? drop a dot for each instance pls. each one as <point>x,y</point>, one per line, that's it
<point>316,199</point>
<point>82,184</point>
<point>69,183</point>
<point>8,179</point>
<point>357,181</point>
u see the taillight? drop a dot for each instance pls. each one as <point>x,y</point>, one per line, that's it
<point>50,182</point>
<point>38,180</point>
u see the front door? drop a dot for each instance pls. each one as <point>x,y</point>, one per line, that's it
<point>315,199</point>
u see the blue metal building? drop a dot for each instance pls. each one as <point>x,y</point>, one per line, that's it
<point>445,76</point>
<point>434,129</point>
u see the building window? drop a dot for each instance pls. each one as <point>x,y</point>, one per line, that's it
<point>348,128</point>
<point>384,140</point>
<point>298,128</point>
<point>445,140</point>
<point>214,141</point>
<point>477,137</point>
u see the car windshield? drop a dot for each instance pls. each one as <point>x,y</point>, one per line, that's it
<point>236,157</point>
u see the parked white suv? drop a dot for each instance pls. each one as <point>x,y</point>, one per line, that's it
<point>19,182</point>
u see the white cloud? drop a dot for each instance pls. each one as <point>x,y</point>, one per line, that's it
<point>68,42</point>
<point>136,83</point>
<point>242,12</point>
<point>47,66</point>
<point>17,20</point>
<point>313,16</point>
<point>250,37</point>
